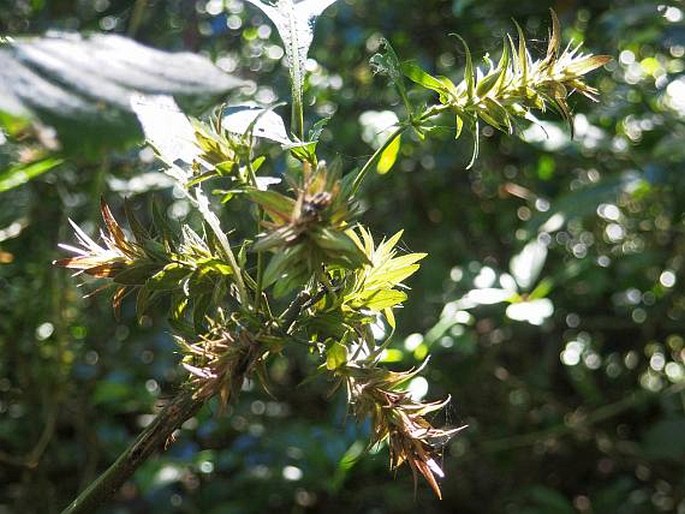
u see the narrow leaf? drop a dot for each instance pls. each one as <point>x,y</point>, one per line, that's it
<point>476,144</point>
<point>389,156</point>
<point>523,56</point>
<point>277,206</point>
<point>417,74</point>
<point>554,38</point>
<point>469,73</point>
<point>459,121</point>
<point>21,173</point>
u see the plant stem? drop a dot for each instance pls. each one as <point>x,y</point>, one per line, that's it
<point>260,255</point>
<point>213,221</point>
<point>428,113</point>
<point>297,121</point>
<point>153,437</point>
<point>361,174</point>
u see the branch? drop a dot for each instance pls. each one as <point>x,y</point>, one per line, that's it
<point>152,438</point>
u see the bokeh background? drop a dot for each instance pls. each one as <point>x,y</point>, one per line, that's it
<point>574,396</point>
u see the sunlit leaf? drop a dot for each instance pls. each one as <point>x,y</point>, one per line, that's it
<point>168,130</point>
<point>534,312</point>
<point>295,24</point>
<point>389,156</point>
<point>82,85</point>
<point>19,174</point>
<point>469,72</point>
<point>255,120</point>
<point>276,205</point>
<point>417,74</point>
<point>527,264</point>
<point>336,356</point>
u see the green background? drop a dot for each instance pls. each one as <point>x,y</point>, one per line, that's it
<point>581,414</point>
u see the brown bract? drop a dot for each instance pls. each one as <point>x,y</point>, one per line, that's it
<point>399,420</point>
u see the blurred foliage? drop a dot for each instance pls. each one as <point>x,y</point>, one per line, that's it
<point>577,409</point>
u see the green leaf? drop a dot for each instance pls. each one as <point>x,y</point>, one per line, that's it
<point>503,66</point>
<point>215,265</point>
<point>523,55</point>
<point>140,234</point>
<point>21,173</point>
<point>83,85</point>
<point>389,156</point>
<point>459,121</point>
<point>487,83</point>
<point>163,226</point>
<point>202,303</point>
<point>394,277</point>
<point>469,74</point>
<point>144,299</point>
<point>168,278</point>
<point>277,206</point>
<point>496,115</point>
<point>390,318</point>
<point>413,72</point>
<point>387,63</point>
<point>276,267</point>
<point>136,275</point>
<point>317,129</point>
<point>336,356</point>
<point>475,128</point>
<point>381,300</point>
<point>542,290</point>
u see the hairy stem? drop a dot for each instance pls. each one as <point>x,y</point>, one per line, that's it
<point>154,437</point>
<point>297,122</point>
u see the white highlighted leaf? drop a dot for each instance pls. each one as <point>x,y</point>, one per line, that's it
<point>534,312</point>
<point>295,24</point>
<point>169,131</point>
<point>527,265</point>
<point>487,296</point>
<point>264,123</point>
<point>166,127</point>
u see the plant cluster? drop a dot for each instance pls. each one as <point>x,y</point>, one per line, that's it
<point>309,273</point>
